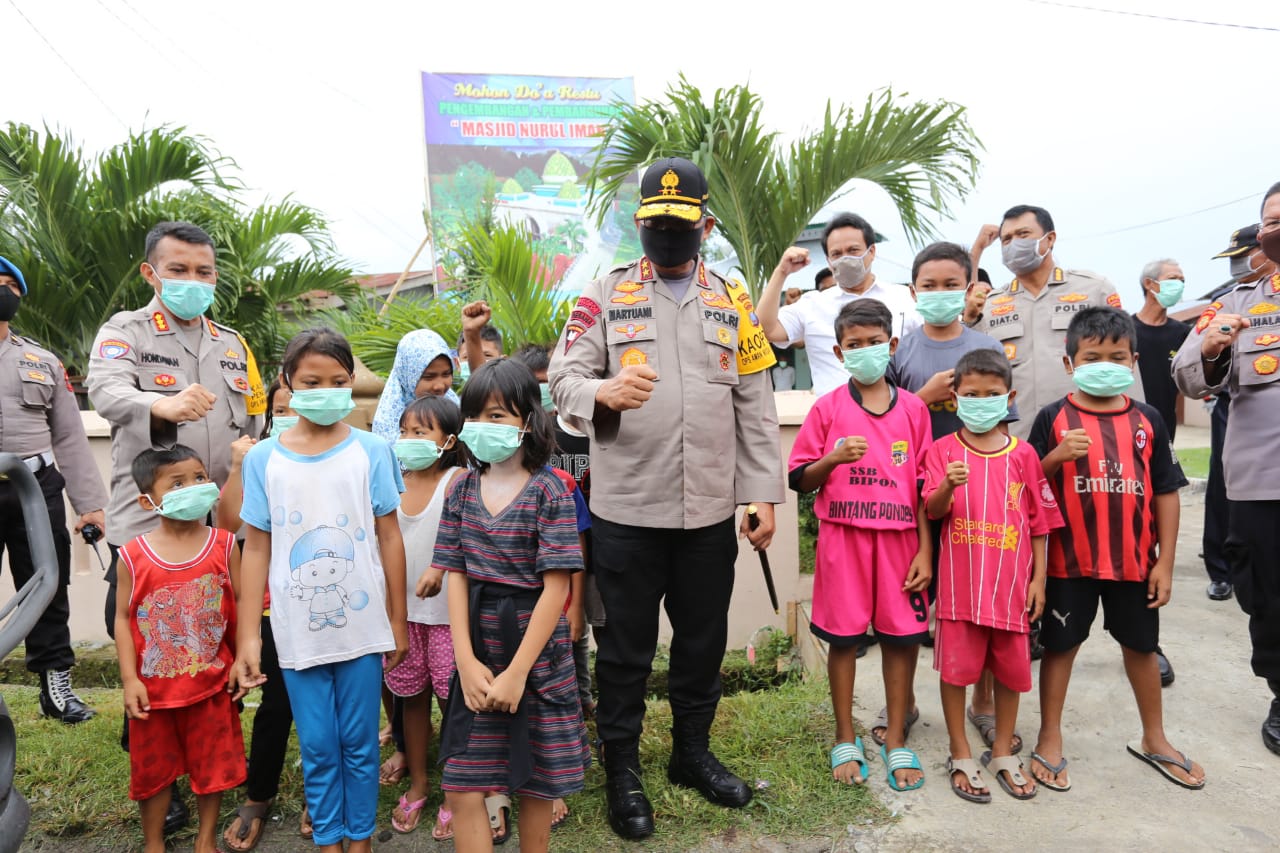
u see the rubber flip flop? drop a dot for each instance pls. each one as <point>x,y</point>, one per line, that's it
<point>247,814</point>
<point>499,808</point>
<point>409,809</point>
<point>969,768</point>
<point>1008,772</point>
<point>1159,762</point>
<point>843,753</point>
<point>1055,769</point>
<point>900,758</point>
<point>986,726</point>
<point>882,722</point>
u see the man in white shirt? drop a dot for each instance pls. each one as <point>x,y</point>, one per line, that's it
<point>848,241</point>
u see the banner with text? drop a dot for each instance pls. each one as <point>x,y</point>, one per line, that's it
<point>526,143</point>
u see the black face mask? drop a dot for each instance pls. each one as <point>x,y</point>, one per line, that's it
<point>9,302</point>
<point>1270,244</point>
<point>670,248</point>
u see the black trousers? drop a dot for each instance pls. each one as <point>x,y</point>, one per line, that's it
<point>1253,547</point>
<point>49,643</point>
<point>271,725</point>
<point>690,574</point>
<point>1217,509</point>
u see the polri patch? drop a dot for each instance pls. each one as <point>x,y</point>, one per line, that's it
<point>164,380</point>
<point>632,356</point>
<point>1265,365</point>
<point>112,348</point>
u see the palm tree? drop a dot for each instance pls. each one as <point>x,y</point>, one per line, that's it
<point>76,226</point>
<point>763,194</point>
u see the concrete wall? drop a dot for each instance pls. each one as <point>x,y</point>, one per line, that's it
<point>750,609</point>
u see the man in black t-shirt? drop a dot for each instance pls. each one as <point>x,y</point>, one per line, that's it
<point>1160,336</point>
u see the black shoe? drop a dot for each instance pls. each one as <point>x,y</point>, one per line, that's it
<point>1166,668</point>
<point>1218,590</point>
<point>630,815</point>
<point>704,772</point>
<point>1037,650</point>
<point>57,700</point>
<point>1271,728</point>
<point>862,650</point>
<point>178,816</point>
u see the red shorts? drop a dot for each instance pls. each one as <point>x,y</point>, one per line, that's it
<point>962,650</point>
<point>203,741</point>
<point>858,583</point>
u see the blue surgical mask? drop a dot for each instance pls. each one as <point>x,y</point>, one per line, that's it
<point>1102,379</point>
<point>940,307</point>
<point>186,298</point>
<point>867,364</point>
<point>416,454</point>
<point>491,443</point>
<point>1170,292</point>
<point>982,414</point>
<point>190,503</point>
<point>280,423</point>
<point>323,406</point>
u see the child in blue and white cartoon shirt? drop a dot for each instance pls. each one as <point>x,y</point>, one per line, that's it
<point>320,505</point>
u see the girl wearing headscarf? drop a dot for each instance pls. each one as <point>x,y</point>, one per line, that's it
<point>423,368</point>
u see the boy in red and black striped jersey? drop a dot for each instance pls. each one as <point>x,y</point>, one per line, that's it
<point>1110,461</point>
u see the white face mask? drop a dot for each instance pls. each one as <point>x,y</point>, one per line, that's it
<point>1022,255</point>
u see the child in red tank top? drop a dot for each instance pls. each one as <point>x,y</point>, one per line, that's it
<point>175,628</point>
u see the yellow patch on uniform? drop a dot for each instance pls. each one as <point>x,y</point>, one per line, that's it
<point>754,352</point>
<point>1005,299</point>
<point>36,375</point>
<point>160,321</point>
<point>30,356</point>
<point>230,353</point>
<point>1015,493</point>
<point>213,330</point>
<point>1266,340</point>
<point>632,356</point>
<point>716,300</point>
<point>1275,283</point>
<point>723,336</point>
<point>1001,310</point>
<point>256,404</point>
<point>646,269</point>
<point>164,380</point>
<point>1265,365</point>
<point>1113,300</point>
<point>898,451</point>
<point>628,287</point>
<point>1073,297</point>
<point>1263,308</point>
<point>628,299</point>
<point>1011,351</point>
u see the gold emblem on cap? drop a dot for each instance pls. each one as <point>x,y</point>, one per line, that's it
<point>671,183</point>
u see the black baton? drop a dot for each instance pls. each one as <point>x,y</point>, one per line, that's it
<point>753,521</point>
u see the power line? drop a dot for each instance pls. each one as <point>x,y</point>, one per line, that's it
<point>1155,17</point>
<point>149,44</point>
<point>1167,218</point>
<point>69,66</point>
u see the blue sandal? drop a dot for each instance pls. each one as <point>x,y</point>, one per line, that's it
<point>843,753</point>
<point>900,759</point>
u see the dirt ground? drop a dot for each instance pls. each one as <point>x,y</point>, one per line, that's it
<point>1212,712</point>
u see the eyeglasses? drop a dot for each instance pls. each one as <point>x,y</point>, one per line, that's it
<point>670,223</point>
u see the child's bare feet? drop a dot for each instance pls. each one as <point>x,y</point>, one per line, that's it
<point>393,769</point>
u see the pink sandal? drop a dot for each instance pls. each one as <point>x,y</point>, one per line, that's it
<point>444,820</point>
<point>409,809</point>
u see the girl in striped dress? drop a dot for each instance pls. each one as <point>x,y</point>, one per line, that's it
<point>508,534</point>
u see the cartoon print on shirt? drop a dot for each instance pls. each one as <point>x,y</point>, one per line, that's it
<point>319,561</point>
<point>182,627</point>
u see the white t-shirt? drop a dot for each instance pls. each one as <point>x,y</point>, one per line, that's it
<point>419,534</point>
<point>328,588</point>
<point>813,320</point>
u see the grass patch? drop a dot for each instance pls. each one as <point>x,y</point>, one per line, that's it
<point>77,778</point>
<point>1195,462</point>
<point>808,522</point>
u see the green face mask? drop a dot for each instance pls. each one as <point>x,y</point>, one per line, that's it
<point>982,414</point>
<point>190,503</point>
<point>1099,379</point>
<point>1170,292</point>
<point>323,406</point>
<point>491,442</point>
<point>547,402</point>
<point>867,364</point>
<point>940,307</point>
<point>280,423</point>
<point>416,453</point>
<point>464,373</point>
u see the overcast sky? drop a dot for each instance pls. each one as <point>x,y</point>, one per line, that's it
<point>1111,121</point>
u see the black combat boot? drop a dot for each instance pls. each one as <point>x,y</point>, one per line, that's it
<point>694,766</point>
<point>59,701</point>
<point>1271,725</point>
<point>630,814</point>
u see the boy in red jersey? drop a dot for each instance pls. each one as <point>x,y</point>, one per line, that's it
<point>862,448</point>
<point>1117,481</point>
<point>995,508</point>
<point>175,624</point>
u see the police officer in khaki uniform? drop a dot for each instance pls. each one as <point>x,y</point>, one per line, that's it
<point>1030,316</point>
<point>1235,345</point>
<point>167,374</point>
<point>663,363</point>
<point>40,422</point>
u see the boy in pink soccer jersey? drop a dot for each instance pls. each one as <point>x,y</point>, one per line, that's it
<point>862,448</point>
<point>996,509</point>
